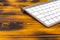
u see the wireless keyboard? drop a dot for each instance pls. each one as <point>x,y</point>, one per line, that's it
<point>48,13</point>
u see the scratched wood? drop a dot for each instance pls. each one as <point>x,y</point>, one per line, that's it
<point>30,26</point>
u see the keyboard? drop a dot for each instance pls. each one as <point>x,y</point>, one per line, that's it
<point>46,13</point>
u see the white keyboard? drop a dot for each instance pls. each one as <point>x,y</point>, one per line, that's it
<point>48,13</point>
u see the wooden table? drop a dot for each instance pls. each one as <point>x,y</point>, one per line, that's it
<point>31,27</point>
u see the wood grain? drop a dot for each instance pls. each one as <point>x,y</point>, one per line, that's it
<point>30,26</point>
